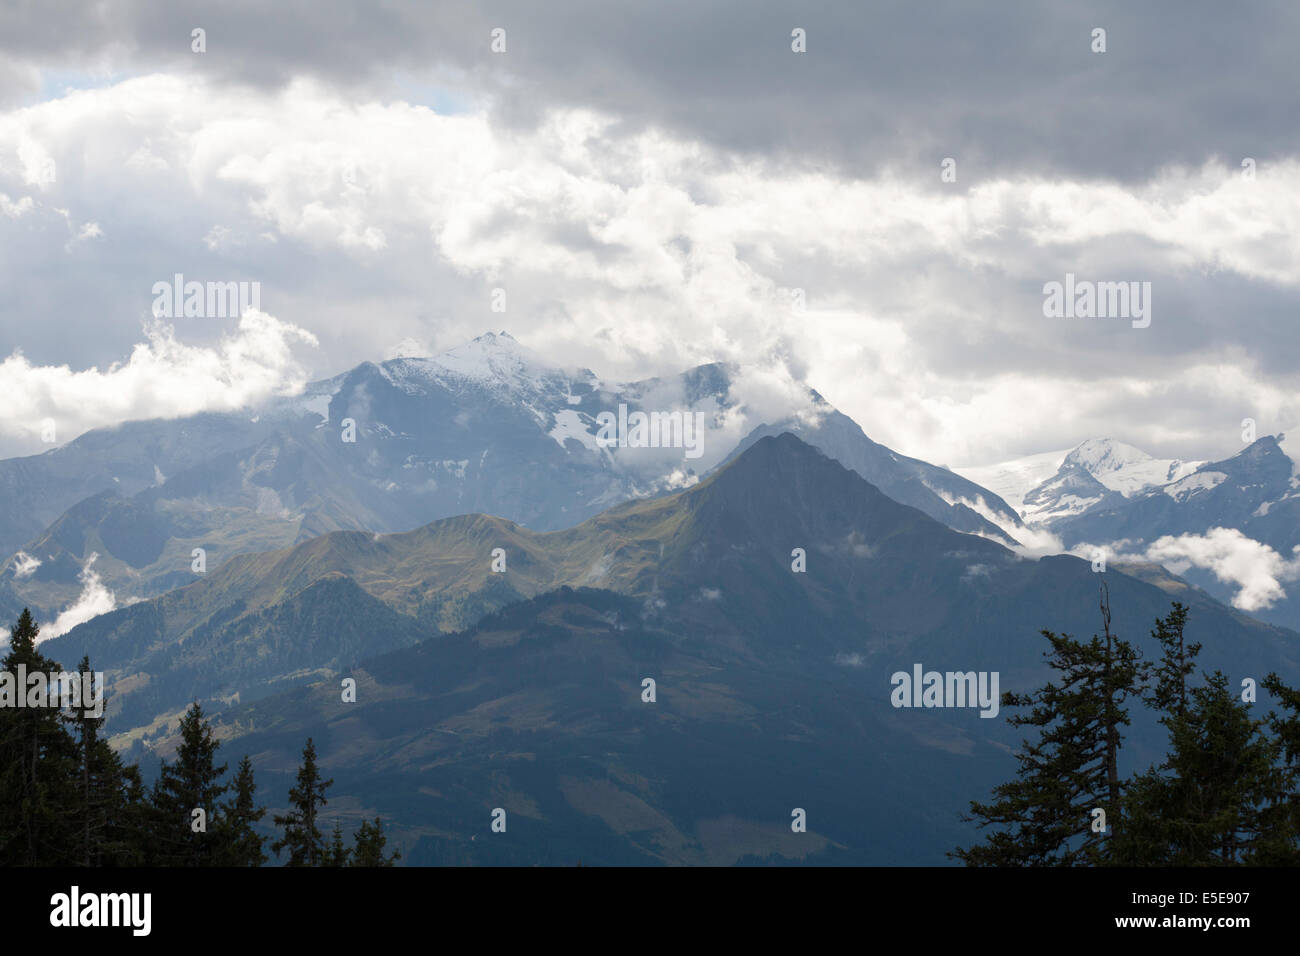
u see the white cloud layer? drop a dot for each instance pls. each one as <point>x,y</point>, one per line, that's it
<point>95,599</point>
<point>25,565</point>
<point>378,225</point>
<point>162,378</point>
<point>1255,569</point>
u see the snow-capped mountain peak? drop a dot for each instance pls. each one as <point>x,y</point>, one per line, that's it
<point>489,357</point>
<point>1062,484</point>
<point>495,361</point>
<point>1125,469</point>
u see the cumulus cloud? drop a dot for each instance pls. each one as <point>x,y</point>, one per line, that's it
<point>637,250</point>
<point>162,378</point>
<point>15,208</point>
<point>25,565</point>
<point>95,599</point>
<point>1254,568</point>
<point>1034,542</point>
<point>770,391</point>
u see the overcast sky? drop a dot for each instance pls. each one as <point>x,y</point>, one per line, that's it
<point>647,184</point>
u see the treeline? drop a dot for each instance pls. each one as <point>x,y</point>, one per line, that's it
<point>1225,795</point>
<point>67,799</point>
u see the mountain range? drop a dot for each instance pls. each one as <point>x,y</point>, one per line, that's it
<point>487,428</point>
<point>461,537</point>
<point>773,682</point>
<point>1231,526</point>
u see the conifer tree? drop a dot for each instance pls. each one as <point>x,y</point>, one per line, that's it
<point>301,837</point>
<point>38,763</point>
<point>369,846</point>
<point>189,784</point>
<point>1227,775</point>
<point>336,854</point>
<point>1221,796</point>
<point>1168,690</point>
<point>1284,847</point>
<point>1153,799</point>
<point>1287,724</point>
<point>1044,816</point>
<point>132,842</point>
<point>108,826</point>
<point>240,844</point>
<point>1145,839</point>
